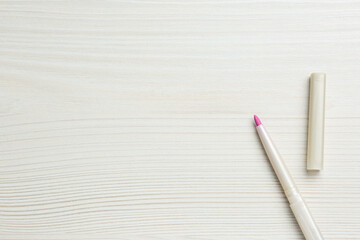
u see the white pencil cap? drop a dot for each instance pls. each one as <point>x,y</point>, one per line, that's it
<point>315,147</point>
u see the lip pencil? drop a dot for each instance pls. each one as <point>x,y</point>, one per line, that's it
<point>297,203</point>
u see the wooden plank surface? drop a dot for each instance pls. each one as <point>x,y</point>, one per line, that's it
<point>133,119</point>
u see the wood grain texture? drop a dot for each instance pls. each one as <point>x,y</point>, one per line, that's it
<point>133,119</point>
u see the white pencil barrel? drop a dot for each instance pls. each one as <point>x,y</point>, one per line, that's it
<point>297,204</point>
<point>305,220</point>
<point>275,159</point>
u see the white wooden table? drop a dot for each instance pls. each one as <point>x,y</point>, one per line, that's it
<point>133,119</point>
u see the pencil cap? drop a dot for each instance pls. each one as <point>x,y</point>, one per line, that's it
<point>315,147</point>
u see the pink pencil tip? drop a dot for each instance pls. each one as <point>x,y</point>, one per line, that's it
<point>257,120</point>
